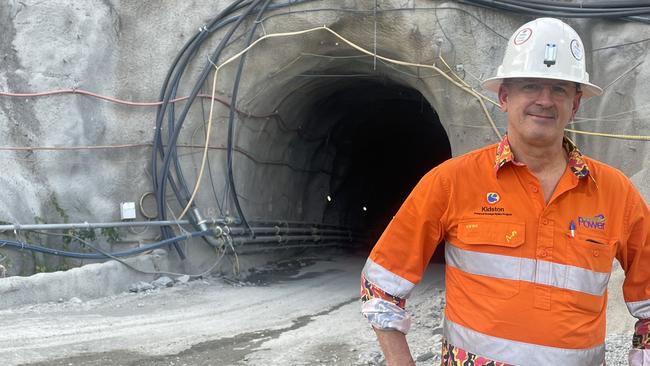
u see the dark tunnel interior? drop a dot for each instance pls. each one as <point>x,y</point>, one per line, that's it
<point>385,137</point>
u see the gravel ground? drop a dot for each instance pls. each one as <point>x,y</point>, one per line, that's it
<point>299,312</point>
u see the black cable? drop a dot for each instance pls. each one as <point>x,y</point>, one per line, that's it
<point>173,134</point>
<point>217,23</point>
<point>182,183</point>
<point>638,19</point>
<point>554,6</point>
<point>158,148</point>
<point>271,231</point>
<point>178,66</point>
<point>602,4</point>
<point>280,240</point>
<point>163,177</point>
<point>231,116</point>
<point>520,7</point>
<point>179,63</point>
<point>192,46</point>
<point>173,138</point>
<point>78,255</point>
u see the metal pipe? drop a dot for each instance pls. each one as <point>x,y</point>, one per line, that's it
<point>285,239</point>
<point>284,230</point>
<point>270,225</point>
<point>102,225</point>
<point>263,249</point>
<point>282,223</point>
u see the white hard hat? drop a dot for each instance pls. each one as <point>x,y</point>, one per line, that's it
<point>545,48</point>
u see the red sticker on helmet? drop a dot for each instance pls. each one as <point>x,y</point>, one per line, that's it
<point>523,36</point>
<point>576,49</point>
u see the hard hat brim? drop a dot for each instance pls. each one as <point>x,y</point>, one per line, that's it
<point>588,89</point>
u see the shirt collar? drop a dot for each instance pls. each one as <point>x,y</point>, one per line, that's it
<point>576,161</point>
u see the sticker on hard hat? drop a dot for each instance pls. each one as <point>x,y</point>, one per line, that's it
<point>576,49</point>
<point>523,36</point>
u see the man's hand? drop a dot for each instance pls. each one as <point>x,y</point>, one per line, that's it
<point>396,349</point>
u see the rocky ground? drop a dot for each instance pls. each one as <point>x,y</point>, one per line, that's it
<point>303,311</point>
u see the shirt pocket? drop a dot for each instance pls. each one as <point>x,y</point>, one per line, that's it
<point>590,261</point>
<point>488,257</point>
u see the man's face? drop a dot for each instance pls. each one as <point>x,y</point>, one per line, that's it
<point>538,109</point>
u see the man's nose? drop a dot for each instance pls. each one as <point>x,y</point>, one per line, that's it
<point>545,97</point>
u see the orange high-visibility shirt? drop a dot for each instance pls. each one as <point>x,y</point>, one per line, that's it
<point>526,281</point>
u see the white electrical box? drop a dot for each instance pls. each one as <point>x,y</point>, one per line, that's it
<point>127,210</point>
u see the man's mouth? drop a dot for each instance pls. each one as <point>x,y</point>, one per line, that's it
<point>541,115</point>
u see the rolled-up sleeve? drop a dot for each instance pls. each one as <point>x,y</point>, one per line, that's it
<point>636,287</point>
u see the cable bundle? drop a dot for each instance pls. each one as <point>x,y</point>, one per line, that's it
<point>164,147</point>
<point>629,10</point>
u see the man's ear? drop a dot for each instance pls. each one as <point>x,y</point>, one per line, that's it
<point>503,97</point>
<point>576,104</point>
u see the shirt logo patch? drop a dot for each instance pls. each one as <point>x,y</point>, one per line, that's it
<point>511,236</point>
<point>493,197</point>
<point>596,222</point>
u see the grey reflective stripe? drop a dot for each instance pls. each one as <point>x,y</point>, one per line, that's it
<point>639,309</point>
<point>525,269</point>
<point>387,280</point>
<point>519,353</point>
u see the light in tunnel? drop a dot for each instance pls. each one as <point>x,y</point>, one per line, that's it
<point>373,139</point>
<point>386,137</point>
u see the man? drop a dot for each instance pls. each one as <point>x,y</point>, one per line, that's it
<point>532,227</point>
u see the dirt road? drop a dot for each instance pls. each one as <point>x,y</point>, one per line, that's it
<point>304,311</point>
<point>299,312</point>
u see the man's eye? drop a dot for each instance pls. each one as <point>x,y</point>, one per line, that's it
<point>531,87</point>
<point>559,90</point>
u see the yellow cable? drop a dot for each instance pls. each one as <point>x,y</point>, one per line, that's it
<point>214,84</point>
<point>471,91</point>
<point>600,134</point>
<point>489,117</point>
<point>205,148</point>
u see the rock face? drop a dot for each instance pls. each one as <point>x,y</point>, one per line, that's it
<point>317,118</point>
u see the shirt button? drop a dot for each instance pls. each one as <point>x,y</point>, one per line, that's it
<point>534,189</point>
<point>545,221</point>
<point>543,253</point>
<point>596,253</point>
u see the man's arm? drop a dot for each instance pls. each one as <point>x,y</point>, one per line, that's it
<point>636,287</point>
<point>640,353</point>
<point>396,349</point>
<point>398,261</point>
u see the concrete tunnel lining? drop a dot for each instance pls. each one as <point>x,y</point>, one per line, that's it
<point>362,140</point>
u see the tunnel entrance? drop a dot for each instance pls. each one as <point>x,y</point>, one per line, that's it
<point>382,138</point>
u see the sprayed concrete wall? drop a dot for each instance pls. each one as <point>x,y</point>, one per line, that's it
<point>305,101</point>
